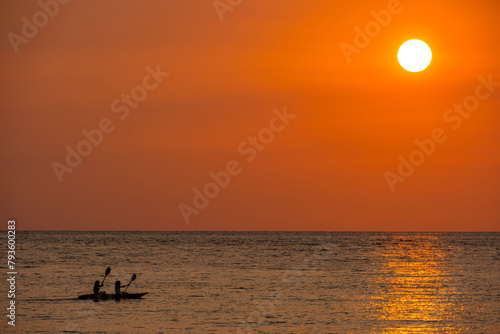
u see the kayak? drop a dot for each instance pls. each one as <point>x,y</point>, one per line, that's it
<point>104,296</point>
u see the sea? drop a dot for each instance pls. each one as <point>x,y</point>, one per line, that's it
<point>256,282</point>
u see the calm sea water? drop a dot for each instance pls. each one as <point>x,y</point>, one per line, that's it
<point>283,282</point>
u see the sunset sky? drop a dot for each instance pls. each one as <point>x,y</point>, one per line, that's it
<point>231,70</point>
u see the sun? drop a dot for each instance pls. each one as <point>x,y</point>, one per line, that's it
<point>414,55</point>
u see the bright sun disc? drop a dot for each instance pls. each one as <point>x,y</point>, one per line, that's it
<point>414,55</point>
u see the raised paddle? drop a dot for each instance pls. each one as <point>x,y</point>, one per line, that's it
<point>108,270</point>
<point>131,280</point>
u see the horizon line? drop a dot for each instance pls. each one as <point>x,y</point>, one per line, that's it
<point>263,231</point>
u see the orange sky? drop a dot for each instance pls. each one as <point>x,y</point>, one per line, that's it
<point>323,171</point>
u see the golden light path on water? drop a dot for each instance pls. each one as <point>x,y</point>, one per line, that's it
<point>416,294</point>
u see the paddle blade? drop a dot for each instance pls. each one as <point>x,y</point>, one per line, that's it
<point>108,270</point>
<point>133,278</point>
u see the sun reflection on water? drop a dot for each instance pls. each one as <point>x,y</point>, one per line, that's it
<point>414,291</point>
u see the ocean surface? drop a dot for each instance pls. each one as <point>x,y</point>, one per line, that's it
<point>258,282</point>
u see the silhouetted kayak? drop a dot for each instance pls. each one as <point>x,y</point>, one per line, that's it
<point>105,296</point>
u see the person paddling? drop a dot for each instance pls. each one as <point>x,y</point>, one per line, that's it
<point>97,286</point>
<point>118,286</point>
